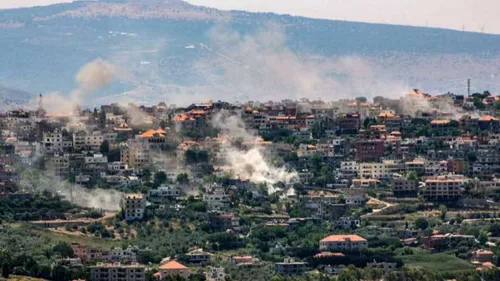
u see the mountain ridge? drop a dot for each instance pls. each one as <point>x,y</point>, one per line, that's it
<point>42,48</point>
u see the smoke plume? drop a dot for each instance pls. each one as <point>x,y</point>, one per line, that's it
<point>90,78</point>
<point>247,163</point>
<point>36,181</point>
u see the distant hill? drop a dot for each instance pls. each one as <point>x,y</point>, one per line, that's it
<point>164,41</point>
<point>12,97</point>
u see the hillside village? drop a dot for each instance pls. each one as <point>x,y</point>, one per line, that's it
<point>382,189</point>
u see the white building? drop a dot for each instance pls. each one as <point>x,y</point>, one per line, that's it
<point>165,191</point>
<point>83,141</point>
<point>354,196</point>
<point>117,166</point>
<point>55,142</point>
<point>217,198</point>
<point>128,254</point>
<point>384,170</point>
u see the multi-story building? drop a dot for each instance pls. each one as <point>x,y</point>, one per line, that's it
<point>348,222</point>
<point>369,150</point>
<point>86,253</point>
<point>383,171</point>
<point>444,188</point>
<point>223,221</point>
<point>482,256</point>
<point>349,168</point>
<point>354,196</point>
<point>126,255</point>
<point>405,188</point>
<point>58,165</point>
<point>365,183</point>
<point>350,122</point>
<point>198,257</point>
<point>117,272</point>
<point>391,121</point>
<point>217,198</point>
<point>386,267</point>
<point>165,191</point>
<point>456,166</point>
<point>84,141</point>
<point>291,267</point>
<point>95,165</point>
<point>351,242</point>
<point>136,154</point>
<point>56,142</point>
<point>134,206</point>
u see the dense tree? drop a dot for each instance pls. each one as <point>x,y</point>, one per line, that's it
<point>422,223</point>
<point>182,178</point>
<point>444,211</point>
<point>64,249</point>
<point>104,148</point>
<point>160,178</point>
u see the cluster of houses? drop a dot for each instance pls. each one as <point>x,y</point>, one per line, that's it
<point>415,146</point>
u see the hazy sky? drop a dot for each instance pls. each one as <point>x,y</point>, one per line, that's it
<point>454,14</point>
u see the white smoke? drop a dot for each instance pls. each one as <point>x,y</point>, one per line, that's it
<point>260,66</point>
<point>90,78</point>
<point>413,105</point>
<point>36,181</point>
<point>247,163</point>
<point>93,76</point>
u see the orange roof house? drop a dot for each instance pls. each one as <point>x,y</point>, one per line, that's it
<point>173,268</point>
<point>350,242</point>
<point>343,238</point>
<point>153,133</point>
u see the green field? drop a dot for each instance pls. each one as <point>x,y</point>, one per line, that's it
<point>439,261</point>
<point>84,240</point>
<point>44,236</point>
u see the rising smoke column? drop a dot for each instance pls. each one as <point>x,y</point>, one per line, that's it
<point>36,181</point>
<point>248,164</point>
<point>90,78</point>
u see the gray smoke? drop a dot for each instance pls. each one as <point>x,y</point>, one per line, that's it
<point>90,78</point>
<point>36,181</point>
<point>414,105</point>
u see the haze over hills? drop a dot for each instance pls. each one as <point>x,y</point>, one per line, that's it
<point>178,52</point>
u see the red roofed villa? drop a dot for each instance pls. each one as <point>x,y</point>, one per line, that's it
<point>172,268</point>
<point>351,242</point>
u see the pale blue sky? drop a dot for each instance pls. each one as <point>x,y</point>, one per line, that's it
<point>475,15</point>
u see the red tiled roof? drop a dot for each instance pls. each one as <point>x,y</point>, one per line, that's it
<point>172,265</point>
<point>341,238</point>
<point>152,133</point>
